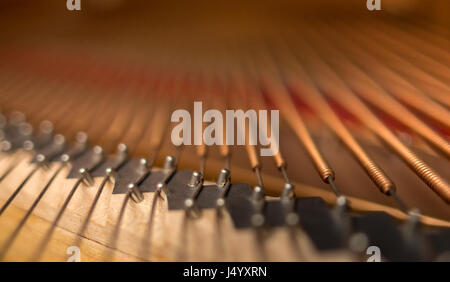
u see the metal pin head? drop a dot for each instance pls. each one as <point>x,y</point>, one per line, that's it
<point>220,203</point>
<point>98,150</point>
<point>342,201</point>
<point>415,212</point>
<point>121,154</point>
<point>46,127</point>
<point>288,187</point>
<point>288,192</point>
<point>258,220</point>
<point>87,177</point>
<point>25,129</point>
<point>258,197</point>
<point>122,148</point>
<point>143,165</point>
<point>6,146</point>
<point>65,158</point>
<point>189,203</point>
<point>59,139</point>
<point>135,193</point>
<point>40,158</point>
<point>224,177</point>
<point>292,219</point>
<point>110,172</point>
<point>414,217</point>
<point>28,145</point>
<point>258,193</point>
<point>170,163</point>
<point>81,137</point>
<point>159,187</point>
<point>191,209</point>
<point>196,178</point>
<point>358,242</point>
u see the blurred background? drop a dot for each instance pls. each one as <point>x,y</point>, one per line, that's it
<point>140,21</point>
<point>135,40</point>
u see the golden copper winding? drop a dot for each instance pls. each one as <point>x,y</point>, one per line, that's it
<point>279,160</point>
<point>253,156</point>
<point>300,81</point>
<point>283,101</point>
<point>439,185</point>
<point>360,83</point>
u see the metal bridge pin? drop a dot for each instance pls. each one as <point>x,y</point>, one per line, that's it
<point>121,156</point>
<point>258,194</point>
<point>42,161</point>
<point>65,158</point>
<point>78,148</point>
<point>28,145</point>
<point>143,165</point>
<point>98,151</point>
<point>358,242</point>
<point>258,220</point>
<point>111,173</point>
<point>196,183</point>
<point>159,187</point>
<point>189,203</point>
<point>25,129</point>
<point>223,184</point>
<point>6,146</point>
<point>292,219</point>
<point>135,193</point>
<point>195,179</point>
<point>170,163</point>
<point>40,158</point>
<point>168,169</point>
<point>413,220</point>
<point>81,137</point>
<point>122,148</point>
<point>87,177</point>
<point>258,198</point>
<point>224,177</point>
<point>288,192</point>
<point>46,127</point>
<point>415,213</point>
<point>342,201</point>
<point>59,139</point>
<point>220,203</point>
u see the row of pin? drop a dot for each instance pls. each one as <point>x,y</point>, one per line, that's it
<point>87,179</point>
<point>42,158</point>
<point>258,192</point>
<point>75,151</point>
<point>287,197</point>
